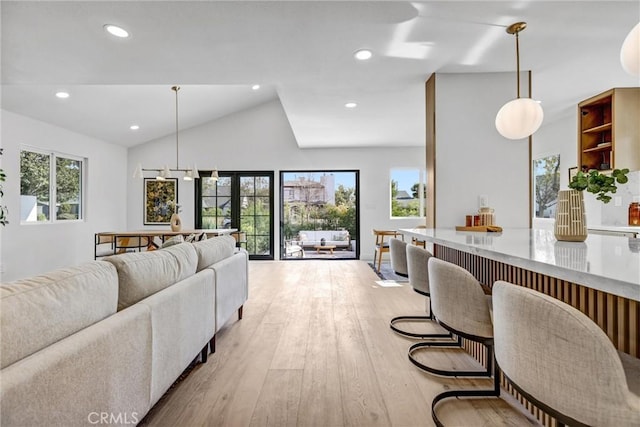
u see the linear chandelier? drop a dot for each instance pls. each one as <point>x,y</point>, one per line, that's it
<point>519,117</point>
<point>165,172</point>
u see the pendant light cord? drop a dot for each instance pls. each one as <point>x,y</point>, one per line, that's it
<point>517,68</point>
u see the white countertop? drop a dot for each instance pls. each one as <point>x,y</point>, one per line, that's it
<point>618,228</point>
<point>607,263</point>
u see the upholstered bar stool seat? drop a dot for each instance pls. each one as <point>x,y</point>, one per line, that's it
<point>561,361</point>
<point>417,259</point>
<point>398,255</point>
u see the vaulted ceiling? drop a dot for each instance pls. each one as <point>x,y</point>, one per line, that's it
<point>300,52</point>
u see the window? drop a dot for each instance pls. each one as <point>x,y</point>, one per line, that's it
<point>546,183</point>
<point>408,193</point>
<point>51,187</point>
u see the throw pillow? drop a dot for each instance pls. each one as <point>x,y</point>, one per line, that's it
<point>175,240</point>
<point>190,238</point>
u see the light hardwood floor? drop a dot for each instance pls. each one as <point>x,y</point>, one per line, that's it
<point>314,348</point>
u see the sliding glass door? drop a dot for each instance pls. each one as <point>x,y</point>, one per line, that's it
<point>319,214</point>
<point>242,200</point>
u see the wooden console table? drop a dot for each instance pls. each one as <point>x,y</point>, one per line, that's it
<point>123,241</point>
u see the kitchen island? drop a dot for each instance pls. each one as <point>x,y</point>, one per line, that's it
<point>600,277</point>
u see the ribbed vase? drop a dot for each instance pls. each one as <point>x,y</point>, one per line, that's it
<point>571,224</point>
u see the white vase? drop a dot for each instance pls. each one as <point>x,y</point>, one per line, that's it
<point>571,224</point>
<point>176,222</point>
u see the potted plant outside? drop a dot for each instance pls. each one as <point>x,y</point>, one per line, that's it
<point>571,224</point>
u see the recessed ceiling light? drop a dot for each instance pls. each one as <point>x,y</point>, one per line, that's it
<point>62,95</point>
<point>255,87</point>
<point>134,127</point>
<point>350,105</point>
<point>114,30</point>
<point>363,54</point>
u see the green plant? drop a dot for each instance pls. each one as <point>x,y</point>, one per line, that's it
<point>598,183</point>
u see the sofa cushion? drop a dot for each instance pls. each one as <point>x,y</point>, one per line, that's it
<point>104,368</point>
<point>141,274</point>
<point>39,311</point>
<point>213,250</point>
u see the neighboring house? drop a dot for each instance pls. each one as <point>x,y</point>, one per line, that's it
<point>404,198</point>
<point>308,191</point>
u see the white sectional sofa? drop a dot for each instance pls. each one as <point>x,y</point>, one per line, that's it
<point>103,341</point>
<point>310,238</point>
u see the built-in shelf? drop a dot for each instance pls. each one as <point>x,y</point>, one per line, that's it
<point>606,126</point>
<point>599,147</point>
<point>609,130</point>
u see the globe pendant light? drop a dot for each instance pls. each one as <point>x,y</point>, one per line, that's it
<point>630,52</point>
<point>519,117</point>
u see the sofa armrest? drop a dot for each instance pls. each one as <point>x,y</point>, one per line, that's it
<point>232,286</point>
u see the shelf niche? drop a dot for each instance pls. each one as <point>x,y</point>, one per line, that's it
<point>609,130</point>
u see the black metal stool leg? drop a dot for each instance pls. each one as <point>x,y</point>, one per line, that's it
<point>430,317</point>
<point>408,334</point>
<point>494,392</point>
<point>488,344</point>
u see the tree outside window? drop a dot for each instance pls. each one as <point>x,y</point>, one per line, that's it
<point>50,187</point>
<point>408,193</point>
<point>546,174</point>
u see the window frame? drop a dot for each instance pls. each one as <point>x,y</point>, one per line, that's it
<point>422,196</point>
<point>53,191</point>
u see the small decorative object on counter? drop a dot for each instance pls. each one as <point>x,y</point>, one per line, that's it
<point>468,221</point>
<point>486,216</point>
<point>571,225</point>
<point>634,213</point>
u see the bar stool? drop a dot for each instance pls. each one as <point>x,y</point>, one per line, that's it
<point>398,255</point>
<point>461,307</point>
<point>561,361</point>
<point>417,260</point>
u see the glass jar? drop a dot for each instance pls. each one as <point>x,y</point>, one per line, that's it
<point>486,216</point>
<point>634,213</point>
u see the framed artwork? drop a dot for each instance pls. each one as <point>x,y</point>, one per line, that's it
<point>572,172</point>
<point>160,198</point>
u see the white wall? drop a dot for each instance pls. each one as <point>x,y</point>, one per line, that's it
<point>261,139</point>
<point>472,158</point>
<point>29,249</point>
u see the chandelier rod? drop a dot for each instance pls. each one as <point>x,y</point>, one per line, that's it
<point>176,89</point>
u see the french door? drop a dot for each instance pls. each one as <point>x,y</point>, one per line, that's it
<point>242,200</point>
